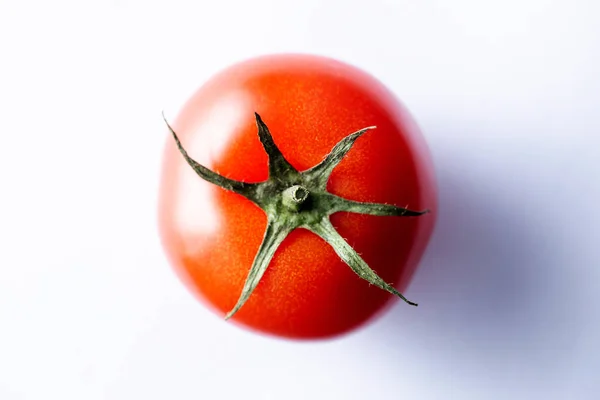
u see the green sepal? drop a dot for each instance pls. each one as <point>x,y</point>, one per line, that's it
<point>274,236</point>
<point>341,204</point>
<point>247,190</point>
<point>328,233</point>
<point>320,173</point>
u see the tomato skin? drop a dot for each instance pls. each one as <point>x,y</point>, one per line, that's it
<point>309,103</point>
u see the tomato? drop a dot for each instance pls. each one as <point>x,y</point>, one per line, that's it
<point>212,235</point>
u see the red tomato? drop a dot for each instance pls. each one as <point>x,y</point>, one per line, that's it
<point>309,104</point>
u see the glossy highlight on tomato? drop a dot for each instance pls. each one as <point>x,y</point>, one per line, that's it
<point>309,103</point>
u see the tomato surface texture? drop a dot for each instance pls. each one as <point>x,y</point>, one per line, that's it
<point>309,103</point>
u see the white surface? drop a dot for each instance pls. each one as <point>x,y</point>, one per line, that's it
<point>507,93</point>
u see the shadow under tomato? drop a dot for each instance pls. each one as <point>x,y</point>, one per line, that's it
<point>487,286</point>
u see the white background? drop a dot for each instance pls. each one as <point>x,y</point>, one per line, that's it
<point>508,95</point>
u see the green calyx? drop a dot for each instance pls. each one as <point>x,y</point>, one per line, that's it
<point>293,199</point>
